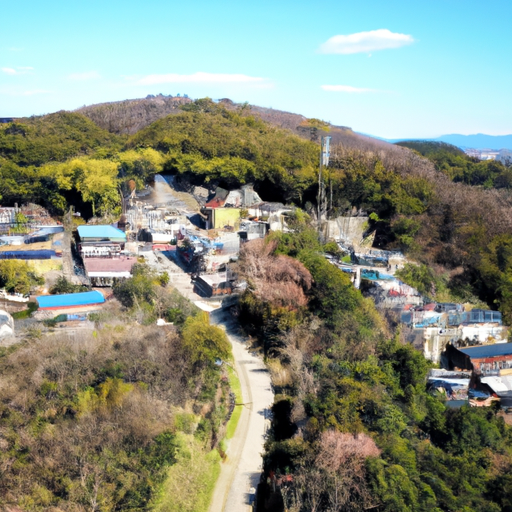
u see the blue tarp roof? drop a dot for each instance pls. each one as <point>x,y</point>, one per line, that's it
<point>101,232</point>
<point>497,349</point>
<point>43,254</point>
<point>429,321</point>
<point>70,299</point>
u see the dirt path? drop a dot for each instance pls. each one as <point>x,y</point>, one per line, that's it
<point>240,473</point>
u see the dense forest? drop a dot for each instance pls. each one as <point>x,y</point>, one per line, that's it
<point>353,428</point>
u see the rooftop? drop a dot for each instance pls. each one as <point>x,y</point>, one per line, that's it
<point>482,351</point>
<point>102,232</point>
<point>123,264</point>
<point>68,300</point>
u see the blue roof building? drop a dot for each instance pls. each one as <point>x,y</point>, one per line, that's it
<point>70,300</point>
<point>102,233</point>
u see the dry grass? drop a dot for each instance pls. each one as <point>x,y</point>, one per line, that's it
<point>279,374</point>
<point>44,266</point>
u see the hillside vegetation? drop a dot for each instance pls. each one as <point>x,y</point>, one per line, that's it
<point>460,167</point>
<point>53,138</point>
<point>129,116</point>
<point>105,420</point>
<point>208,142</point>
<point>353,428</point>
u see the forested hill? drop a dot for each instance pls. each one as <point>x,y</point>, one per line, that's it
<point>54,137</point>
<point>130,116</point>
<point>430,147</point>
<point>459,167</point>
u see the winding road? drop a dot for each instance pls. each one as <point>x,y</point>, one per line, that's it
<point>241,471</point>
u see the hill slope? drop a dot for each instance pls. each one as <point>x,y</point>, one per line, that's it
<point>130,116</point>
<point>53,137</point>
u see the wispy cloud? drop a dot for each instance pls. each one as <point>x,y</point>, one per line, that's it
<point>33,92</point>
<point>203,78</point>
<point>20,70</point>
<point>347,88</point>
<point>362,42</point>
<point>81,77</point>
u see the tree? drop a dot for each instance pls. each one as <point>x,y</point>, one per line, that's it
<point>204,342</point>
<point>95,180</point>
<point>18,277</point>
<point>138,289</point>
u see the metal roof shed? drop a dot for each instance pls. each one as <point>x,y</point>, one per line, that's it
<point>70,300</point>
<point>487,351</point>
<point>99,233</point>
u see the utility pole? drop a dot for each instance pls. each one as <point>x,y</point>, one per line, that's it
<point>324,162</point>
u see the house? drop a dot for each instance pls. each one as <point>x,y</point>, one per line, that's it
<point>249,230</point>
<point>7,215</point>
<point>101,233</point>
<point>240,198</point>
<point>243,197</point>
<point>157,225</point>
<point>106,271</point>
<point>272,213</point>
<point>433,326</point>
<point>483,359</point>
<point>479,326</point>
<point>221,218</point>
<point>453,384</point>
<point>501,384</point>
<point>70,300</point>
<point>100,241</point>
<point>213,285</point>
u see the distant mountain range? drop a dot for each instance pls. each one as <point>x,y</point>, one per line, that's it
<point>477,141</point>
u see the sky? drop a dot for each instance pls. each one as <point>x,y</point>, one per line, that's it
<point>393,68</point>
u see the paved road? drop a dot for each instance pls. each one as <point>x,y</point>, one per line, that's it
<point>241,471</point>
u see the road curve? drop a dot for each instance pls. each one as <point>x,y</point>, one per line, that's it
<point>241,470</point>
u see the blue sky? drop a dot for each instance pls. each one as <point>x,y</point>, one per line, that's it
<point>391,68</point>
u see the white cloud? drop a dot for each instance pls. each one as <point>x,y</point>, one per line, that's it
<point>20,70</point>
<point>201,78</point>
<point>347,88</point>
<point>81,77</point>
<point>363,42</point>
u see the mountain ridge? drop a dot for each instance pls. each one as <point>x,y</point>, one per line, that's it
<point>474,141</point>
